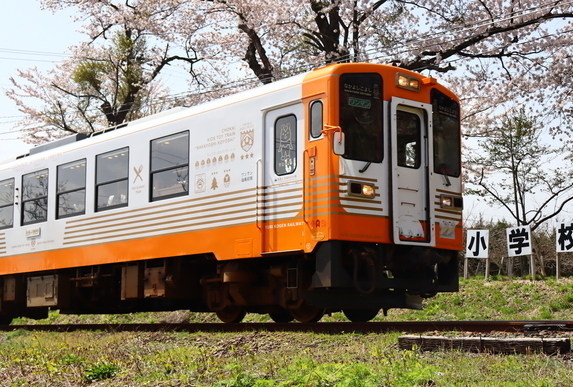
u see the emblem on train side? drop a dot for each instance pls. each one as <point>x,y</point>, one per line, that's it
<point>247,139</point>
<point>200,183</point>
<point>138,173</point>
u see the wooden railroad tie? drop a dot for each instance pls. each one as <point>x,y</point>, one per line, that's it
<point>548,346</point>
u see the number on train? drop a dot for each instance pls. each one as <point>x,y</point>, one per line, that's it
<point>334,190</point>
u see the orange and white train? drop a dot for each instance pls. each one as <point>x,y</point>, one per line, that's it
<point>334,190</point>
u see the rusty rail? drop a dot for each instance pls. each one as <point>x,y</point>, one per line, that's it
<point>326,327</point>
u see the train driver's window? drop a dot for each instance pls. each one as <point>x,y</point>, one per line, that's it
<point>408,139</point>
<point>71,190</point>
<point>285,145</point>
<point>112,170</point>
<point>6,203</point>
<point>35,197</point>
<point>446,128</point>
<point>361,113</point>
<point>316,119</point>
<point>170,166</point>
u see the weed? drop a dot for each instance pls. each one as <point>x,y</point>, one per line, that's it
<point>240,380</point>
<point>71,359</point>
<point>100,371</point>
<point>545,313</point>
<point>457,300</point>
<point>559,304</point>
<point>17,333</point>
<point>508,310</point>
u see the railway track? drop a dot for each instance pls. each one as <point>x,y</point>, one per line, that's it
<point>326,327</point>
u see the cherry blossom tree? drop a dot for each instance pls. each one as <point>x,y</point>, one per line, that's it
<point>110,78</point>
<point>494,53</point>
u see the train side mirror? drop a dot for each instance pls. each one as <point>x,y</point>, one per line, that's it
<point>338,143</point>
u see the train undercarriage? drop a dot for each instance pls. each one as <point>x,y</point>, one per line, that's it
<point>356,278</point>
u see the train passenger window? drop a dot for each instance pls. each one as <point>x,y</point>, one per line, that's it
<point>112,170</point>
<point>35,197</point>
<point>361,116</point>
<point>408,139</point>
<point>170,166</point>
<point>71,190</point>
<point>6,203</point>
<point>447,133</point>
<point>316,119</point>
<point>285,145</point>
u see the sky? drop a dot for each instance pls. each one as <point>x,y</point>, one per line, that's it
<point>29,37</point>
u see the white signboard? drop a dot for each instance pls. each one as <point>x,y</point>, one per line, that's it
<point>519,241</point>
<point>477,244</point>
<point>564,237</point>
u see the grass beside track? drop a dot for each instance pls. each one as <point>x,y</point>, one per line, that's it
<point>293,359</point>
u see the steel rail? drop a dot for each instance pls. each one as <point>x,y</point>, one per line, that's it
<point>522,326</point>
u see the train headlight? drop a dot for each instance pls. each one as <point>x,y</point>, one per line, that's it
<point>368,190</point>
<point>407,82</point>
<point>365,190</point>
<point>448,201</point>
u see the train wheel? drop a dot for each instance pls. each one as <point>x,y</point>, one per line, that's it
<point>281,317</point>
<point>360,315</point>
<point>307,313</point>
<point>231,314</point>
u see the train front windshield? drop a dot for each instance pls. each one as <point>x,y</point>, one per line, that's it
<point>361,120</point>
<point>446,127</point>
<point>361,116</point>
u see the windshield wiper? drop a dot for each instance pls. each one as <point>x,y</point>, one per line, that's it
<point>444,171</point>
<point>365,167</point>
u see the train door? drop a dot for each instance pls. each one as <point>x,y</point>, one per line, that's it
<point>280,202</point>
<point>409,149</point>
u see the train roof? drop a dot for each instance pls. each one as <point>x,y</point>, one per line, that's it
<point>80,140</point>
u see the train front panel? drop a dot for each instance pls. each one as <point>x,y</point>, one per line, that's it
<point>383,187</point>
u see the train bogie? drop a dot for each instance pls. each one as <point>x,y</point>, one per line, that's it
<point>338,189</point>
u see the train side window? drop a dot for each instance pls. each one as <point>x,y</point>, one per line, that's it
<point>285,145</point>
<point>35,197</point>
<point>408,139</point>
<point>71,190</point>
<point>112,170</point>
<point>6,203</point>
<point>170,166</point>
<point>316,112</point>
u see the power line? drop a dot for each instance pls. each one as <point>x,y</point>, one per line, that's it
<point>11,132</point>
<point>19,53</point>
<point>31,60</point>
<point>407,46</point>
<point>397,50</point>
<point>10,122</point>
<point>30,52</point>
